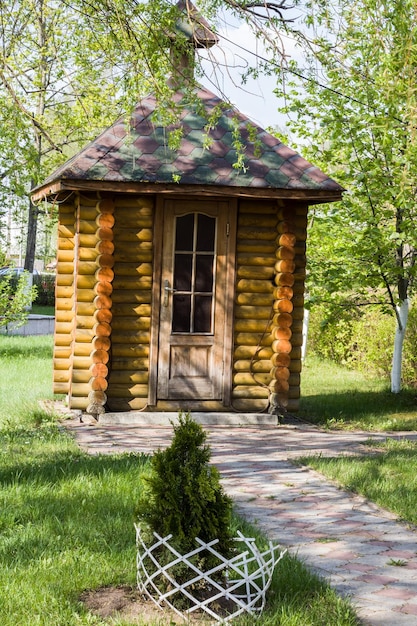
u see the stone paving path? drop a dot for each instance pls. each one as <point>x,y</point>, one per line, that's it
<point>343,537</point>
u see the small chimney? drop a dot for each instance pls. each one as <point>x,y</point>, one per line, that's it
<point>198,35</point>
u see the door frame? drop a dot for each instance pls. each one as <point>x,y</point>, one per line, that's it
<point>230,205</point>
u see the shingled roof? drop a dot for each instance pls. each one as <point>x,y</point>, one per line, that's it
<point>134,153</point>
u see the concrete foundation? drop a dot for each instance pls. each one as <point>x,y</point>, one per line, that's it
<point>146,418</point>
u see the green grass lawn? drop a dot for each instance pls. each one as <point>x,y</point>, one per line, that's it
<point>66,518</point>
<point>335,397</point>
<point>25,376</point>
<point>66,525</point>
<point>388,477</point>
<point>42,309</point>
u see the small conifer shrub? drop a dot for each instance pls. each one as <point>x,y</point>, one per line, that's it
<point>183,497</point>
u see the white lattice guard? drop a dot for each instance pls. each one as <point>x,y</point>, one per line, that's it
<point>231,586</point>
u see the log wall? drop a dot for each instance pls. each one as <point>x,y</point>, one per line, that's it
<point>83,301</point>
<point>102,305</point>
<point>287,327</point>
<point>132,290</point>
<point>255,263</point>
<point>65,299</point>
<point>269,305</point>
<point>86,266</point>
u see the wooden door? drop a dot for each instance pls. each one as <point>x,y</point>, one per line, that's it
<point>194,297</point>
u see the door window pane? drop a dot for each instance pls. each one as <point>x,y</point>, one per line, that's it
<point>181,315</point>
<point>183,272</point>
<point>204,272</point>
<point>184,235</point>
<point>202,314</point>
<point>206,233</point>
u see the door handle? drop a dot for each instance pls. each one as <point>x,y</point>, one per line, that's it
<point>167,291</point>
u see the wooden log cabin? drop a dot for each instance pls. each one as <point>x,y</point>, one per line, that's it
<point>180,278</point>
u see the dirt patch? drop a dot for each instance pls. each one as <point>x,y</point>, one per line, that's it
<point>131,605</point>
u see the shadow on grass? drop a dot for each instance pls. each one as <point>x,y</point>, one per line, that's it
<point>67,465</point>
<point>88,500</point>
<point>38,346</point>
<point>376,410</point>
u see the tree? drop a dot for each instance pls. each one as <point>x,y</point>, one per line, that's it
<point>69,67</point>
<point>59,93</point>
<point>355,105</point>
<point>50,86</point>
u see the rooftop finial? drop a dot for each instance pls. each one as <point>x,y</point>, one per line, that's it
<point>198,34</point>
<point>194,26</point>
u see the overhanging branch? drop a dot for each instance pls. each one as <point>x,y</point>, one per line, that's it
<point>251,7</point>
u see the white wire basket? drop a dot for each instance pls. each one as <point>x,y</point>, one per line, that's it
<point>231,586</point>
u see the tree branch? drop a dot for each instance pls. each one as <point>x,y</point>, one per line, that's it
<point>27,113</point>
<point>250,7</point>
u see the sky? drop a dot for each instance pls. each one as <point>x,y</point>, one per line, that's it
<point>256,98</point>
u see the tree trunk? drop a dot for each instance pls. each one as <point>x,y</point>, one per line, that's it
<point>31,246</point>
<point>42,75</point>
<point>306,321</point>
<point>402,316</point>
<point>31,238</point>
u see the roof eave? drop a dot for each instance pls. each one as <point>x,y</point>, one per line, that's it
<point>59,186</point>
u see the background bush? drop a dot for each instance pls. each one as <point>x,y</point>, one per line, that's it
<point>15,299</point>
<point>409,371</point>
<point>45,284</point>
<point>363,340</point>
<point>330,333</point>
<point>372,343</point>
